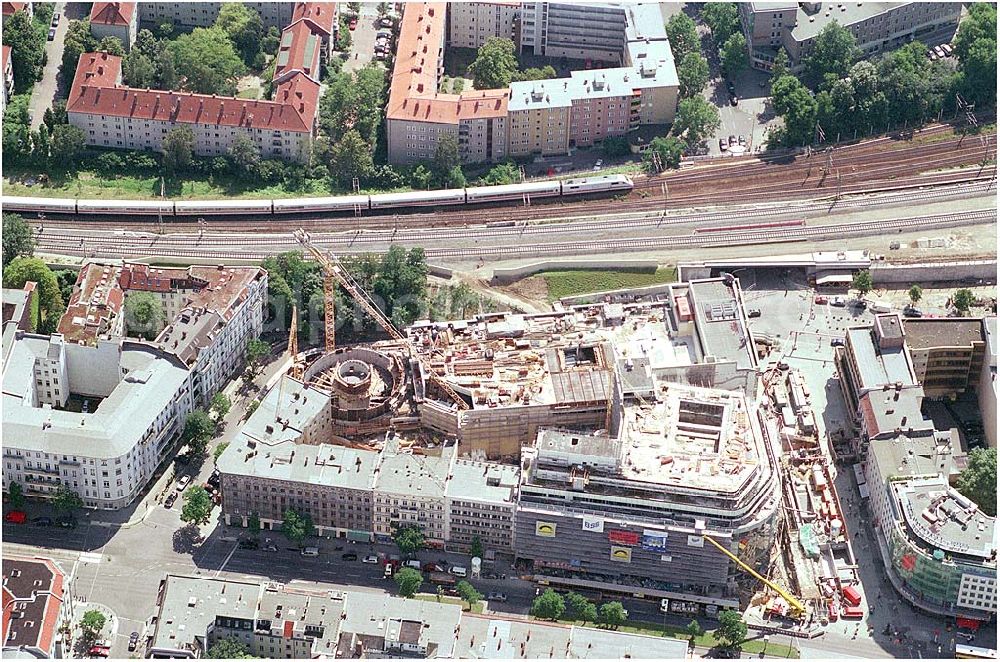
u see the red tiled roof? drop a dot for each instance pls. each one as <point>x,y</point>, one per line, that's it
<point>96,299</point>
<point>323,15</point>
<point>413,91</point>
<point>11,7</point>
<point>294,107</point>
<point>6,56</point>
<point>112,13</point>
<point>299,51</point>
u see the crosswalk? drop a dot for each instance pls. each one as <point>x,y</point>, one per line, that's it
<point>91,557</point>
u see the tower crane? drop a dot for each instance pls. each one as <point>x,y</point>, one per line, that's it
<point>293,343</point>
<point>335,271</point>
<point>796,609</point>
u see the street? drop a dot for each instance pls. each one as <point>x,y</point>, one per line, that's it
<point>45,91</point>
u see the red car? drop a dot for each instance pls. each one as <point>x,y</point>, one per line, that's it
<point>16,517</point>
<point>821,300</point>
<point>353,24</point>
<point>100,651</point>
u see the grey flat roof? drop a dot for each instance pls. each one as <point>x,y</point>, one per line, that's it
<point>844,13</point>
<point>287,409</point>
<point>322,464</point>
<point>190,604</point>
<point>885,411</point>
<point>411,474</point>
<point>945,519</point>
<point>949,332</point>
<point>381,615</point>
<point>472,480</point>
<point>878,366</point>
<point>117,425</point>
<point>720,324</point>
<point>905,456</point>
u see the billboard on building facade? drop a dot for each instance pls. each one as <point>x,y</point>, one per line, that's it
<point>593,524</point>
<point>620,537</point>
<point>696,541</point>
<point>654,541</point>
<point>621,554</point>
<point>545,529</point>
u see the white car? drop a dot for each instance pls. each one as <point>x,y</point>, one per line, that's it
<point>371,558</point>
<point>183,482</point>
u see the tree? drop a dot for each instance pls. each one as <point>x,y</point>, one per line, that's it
<point>495,64</point>
<point>144,315</point>
<point>722,19</point>
<point>243,151</point>
<point>178,148</point>
<point>228,649</point>
<point>780,66</point>
<point>198,430</point>
<point>112,46</point>
<point>664,153</point>
<point>244,28</point>
<point>834,52</point>
<point>916,293</point>
<point>504,173</point>
<point>252,407</point>
<point>65,500</point>
<point>446,156</point>
<point>694,630</point>
<point>732,630</point>
<point>197,506</point>
<point>696,119</point>
<point>408,581</point>
<point>78,40</point>
<point>468,592</point>
<point>350,158</point>
<point>581,608</point>
<point>797,107</point>
<point>220,405</point>
<point>167,77</point>
<point>257,351</point>
<point>614,147</point>
<point>476,547</point>
<point>297,527</point>
<point>354,7</point>
<point>22,269</point>
<point>253,522</point>
<point>612,614</point>
<point>455,178</point>
<point>55,115</point>
<point>219,450</point>
<point>138,70</point>
<point>693,75</point>
<point>733,55</point>
<point>92,624</point>
<point>15,496</point>
<point>549,605</point>
<point>978,481</point>
<point>207,61</point>
<point>27,48</point>
<point>409,539</point>
<point>683,36</point>
<point>18,240</point>
<point>67,143</point>
<point>382,9</point>
<point>963,300</point>
<point>863,282</point>
<point>421,177</point>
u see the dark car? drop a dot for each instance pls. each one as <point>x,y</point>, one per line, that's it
<point>349,556</point>
<point>67,522</point>
<point>837,342</point>
<point>133,641</point>
<point>731,87</point>
<point>753,312</point>
<point>732,140</point>
<point>912,312</point>
<point>733,100</point>
<point>42,521</point>
<point>723,145</point>
<point>182,459</point>
<point>169,502</point>
<point>249,543</point>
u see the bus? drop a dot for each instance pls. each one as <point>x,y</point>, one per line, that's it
<point>963,652</point>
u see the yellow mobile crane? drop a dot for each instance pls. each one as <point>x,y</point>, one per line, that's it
<point>335,272</point>
<point>796,609</point>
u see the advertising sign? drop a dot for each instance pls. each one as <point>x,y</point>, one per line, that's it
<point>654,541</point>
<point>620,537</point>
<point>621,554</point>
<point>593,523</point>
<point>696,541</point>
<point>545,529</point>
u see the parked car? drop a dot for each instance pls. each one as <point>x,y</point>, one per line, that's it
<point>837,342</point>
<point>598,165</point>
<point>940,52</point>
<point>839,302</point>
<point>52,36</point>
<point>413,563</point>
<point>249,543</point>
<point>169,501</point>
<point>352,24</point>
<point>743,140</point>
<point>820,300</point>
<point>183,483</point>
<point>723,145</point>
<point>912,312</point>
<point>42,521</point>
<point>371,558</point>
<point>860,304</point>
<point>753,312</point>
<point>732,140</point>
<point>894,246</point>
<point>458,571</point>
<point>948,50</point>
<point>496,597</point>
<point>15,517</point>
<point>349,556</point>
<point>734,100</point>
<point>270,547</point>
<point>931,55</point>
<point>385,22</point>
<point>432,567</point>
<point>183,458</point>
<point>99,651</point>
<point>67,522</point>
<point>55,18</point>
<point>133,641</point>
<point>731,87</point>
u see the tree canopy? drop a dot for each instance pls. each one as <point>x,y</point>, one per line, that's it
<point>15,496</point>
<point>581,608</point>
<point>198,430</point>
<point>916,293</point>
<point>178,149</point>
<point>228,649</point>
<point>549,605</point>
<point>243,26</point>
<point>722,19</point>
<point>207,62</point>
<point>220,405</point>
<point>976,50</point>
<point>863,282</point>
<point>797,107</point>
<point>65,500</point>
<point>503,173</point>
<point>692,74</point>
<point>408,581</point>
<point>297,527</point>
<point>612,614</point>
<point>92,624</point>
<point>197,505</point>
<point>495,64</point>
<point>18,239</point>
<point>834,52</point>
<point>67,144</point>
<point>27,49</point>
<point>409,539</point>
<point>144,315</point>
<point>22,269</point>
<point>78,40</point>
<point>696,120</point>
<point>978,480</point>
<point>683,36</point>
<point>733,55</point>
<point>664,153</point>
<point>732,630</point>
<point>963,300</point>
<point>468,592</point>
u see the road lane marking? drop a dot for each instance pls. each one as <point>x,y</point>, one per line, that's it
<point>91,557</point>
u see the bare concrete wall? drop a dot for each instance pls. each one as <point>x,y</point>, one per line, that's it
<point>904,274</point>
<point>511,274</point>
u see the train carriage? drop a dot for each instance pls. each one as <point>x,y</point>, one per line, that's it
<point>223,207</point>
<point>126,207</point>
<point>512,192</point>
<point>344,203</point>
<point>39,205</point>
<point>598,184</point>
<point>418,199</point>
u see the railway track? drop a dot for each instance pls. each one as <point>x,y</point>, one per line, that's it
<point>256,248</point>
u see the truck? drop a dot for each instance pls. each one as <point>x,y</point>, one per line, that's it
<point>441,579</point>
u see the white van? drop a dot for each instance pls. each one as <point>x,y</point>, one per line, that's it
<point>310,551</point>
<point>413,563</point>
<point>458,571</point>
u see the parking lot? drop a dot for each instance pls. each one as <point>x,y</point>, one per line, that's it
<point>363,37</point>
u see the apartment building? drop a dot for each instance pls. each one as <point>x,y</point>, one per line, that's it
<point>204,14</point>
<point>37,604</point>
<point>581,31</point>
<point>481,498</point>
<point>546,117</point>
<point>879,27</point>
<point>947,354</point>
<point>9,8</point>
<point>471,24</point>
<point>938,548</point>
<point>409,490</point>
<point>7,90</point>
<point>987,388</point>
<point>115,19</point>
<point>633,508</point>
